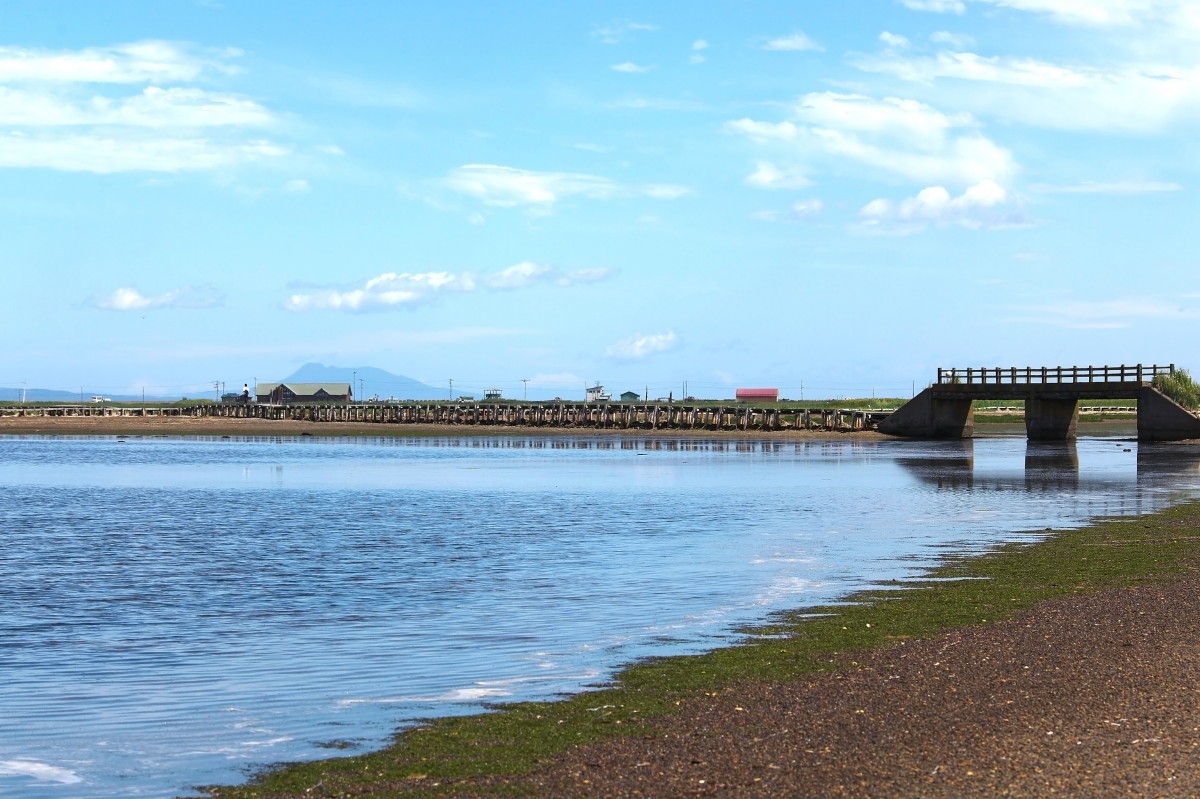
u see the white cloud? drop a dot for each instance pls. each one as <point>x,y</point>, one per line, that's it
<point>980,206</point>
<point>699,44</point>
<point>154,107</point>
<point>639,346</point>
<point>506,187</point>
<point>1092,13</point>
<point>620,30</point>
<point>148,61</point>
<point>297,186</point>
<point>936,6</point>
<point>389,290</point>
<point>792,42</point>
<point>631,68</point>
<point>803,209</point>
<point>659,104</point>
<point>1112,187</point>
<point>104,155</point>
<point>75,111</point>
<point>894,40</point>
<point>518,275</point>
<point>1138,96</point>
<point>393,290</point>
<point>956,40</point>
<point>130,299</point>
<point>895,135</point>
<point>768,176</point>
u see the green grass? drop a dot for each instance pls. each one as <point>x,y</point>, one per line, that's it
<point>515,739</point>
<point>1180,387</point>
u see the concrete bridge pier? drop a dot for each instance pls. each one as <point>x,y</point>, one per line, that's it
<point>929,416</point>
<point>1051,419</point>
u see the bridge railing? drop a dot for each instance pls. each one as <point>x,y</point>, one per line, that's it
<point>1052,374</point>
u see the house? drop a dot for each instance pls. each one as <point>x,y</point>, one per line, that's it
<point>289,393</point>
<point>596,394</point>
<point>630,396</point>
<point>493,394</point>
<point>757,395</point>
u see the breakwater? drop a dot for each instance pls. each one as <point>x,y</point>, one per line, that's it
<point>607,416</point>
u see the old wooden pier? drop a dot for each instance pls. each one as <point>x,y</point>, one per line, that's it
<point>588,416</point>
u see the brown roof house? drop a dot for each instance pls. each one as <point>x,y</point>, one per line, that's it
<point>289,393</point>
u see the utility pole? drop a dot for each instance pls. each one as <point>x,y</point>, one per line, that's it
<point>451,389</point>
<point>216,391</point>
<point>524,389</point>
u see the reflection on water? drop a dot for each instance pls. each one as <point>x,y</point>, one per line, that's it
<point>1051,466</point>
<point>174,611</point>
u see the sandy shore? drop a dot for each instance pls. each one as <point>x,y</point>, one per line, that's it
<point>217,426</point>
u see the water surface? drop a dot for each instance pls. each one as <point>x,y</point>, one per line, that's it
<point>174,612</point>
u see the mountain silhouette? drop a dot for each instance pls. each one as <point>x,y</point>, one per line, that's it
<point>368,381</point>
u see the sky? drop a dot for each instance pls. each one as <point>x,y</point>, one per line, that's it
<point>829,198</point>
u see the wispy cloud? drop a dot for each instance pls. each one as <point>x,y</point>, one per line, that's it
<point>398,290</point>
<point>109,154</point>
<point>150,61</point>
<point>506,187</point>
<point>801,210</point>
<point>1110,187</point>
<point>1106,314</point>
<point>632,68</point>
<point>792,42</point>
<point>936,6</point>
<point>620,30</point>
<point>980,206</point>
<point>1141,86</point>
<point>768,176</point>
<point>639,346</point>
<point>389,290</point>
<point>131,299</point>
<point>75,110</point>
<point>894,135</point>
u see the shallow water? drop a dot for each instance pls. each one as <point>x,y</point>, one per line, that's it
<point>174,612</point>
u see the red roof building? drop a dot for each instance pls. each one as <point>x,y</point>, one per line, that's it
<point>757,395</point>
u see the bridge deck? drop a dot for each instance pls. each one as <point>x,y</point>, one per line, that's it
<point>1017,391</point>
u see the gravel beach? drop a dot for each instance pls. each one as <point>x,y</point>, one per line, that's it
<point>1087,696</point>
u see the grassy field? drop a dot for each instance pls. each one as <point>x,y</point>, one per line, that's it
<point>437,759</point>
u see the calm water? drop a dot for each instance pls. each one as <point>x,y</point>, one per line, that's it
<point>175,612</point>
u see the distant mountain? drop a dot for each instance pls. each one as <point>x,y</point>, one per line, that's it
<point>74,397</point>
<point>40,395</point>
<point>367,381</point>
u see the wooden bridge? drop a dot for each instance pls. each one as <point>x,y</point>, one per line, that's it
<point>579,415</point>
<point>1051,396</point>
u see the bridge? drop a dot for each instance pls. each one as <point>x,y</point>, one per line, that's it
<point>1051,396</point>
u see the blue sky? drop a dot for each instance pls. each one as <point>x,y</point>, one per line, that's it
<point>825,197</point>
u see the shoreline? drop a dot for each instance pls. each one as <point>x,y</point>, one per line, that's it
<point>226,426</point>
<point>1061,666</point>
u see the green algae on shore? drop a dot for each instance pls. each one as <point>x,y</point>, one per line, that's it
<point>467,754</point>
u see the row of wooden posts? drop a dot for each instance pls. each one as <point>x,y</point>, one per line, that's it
<point>653,416</point>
